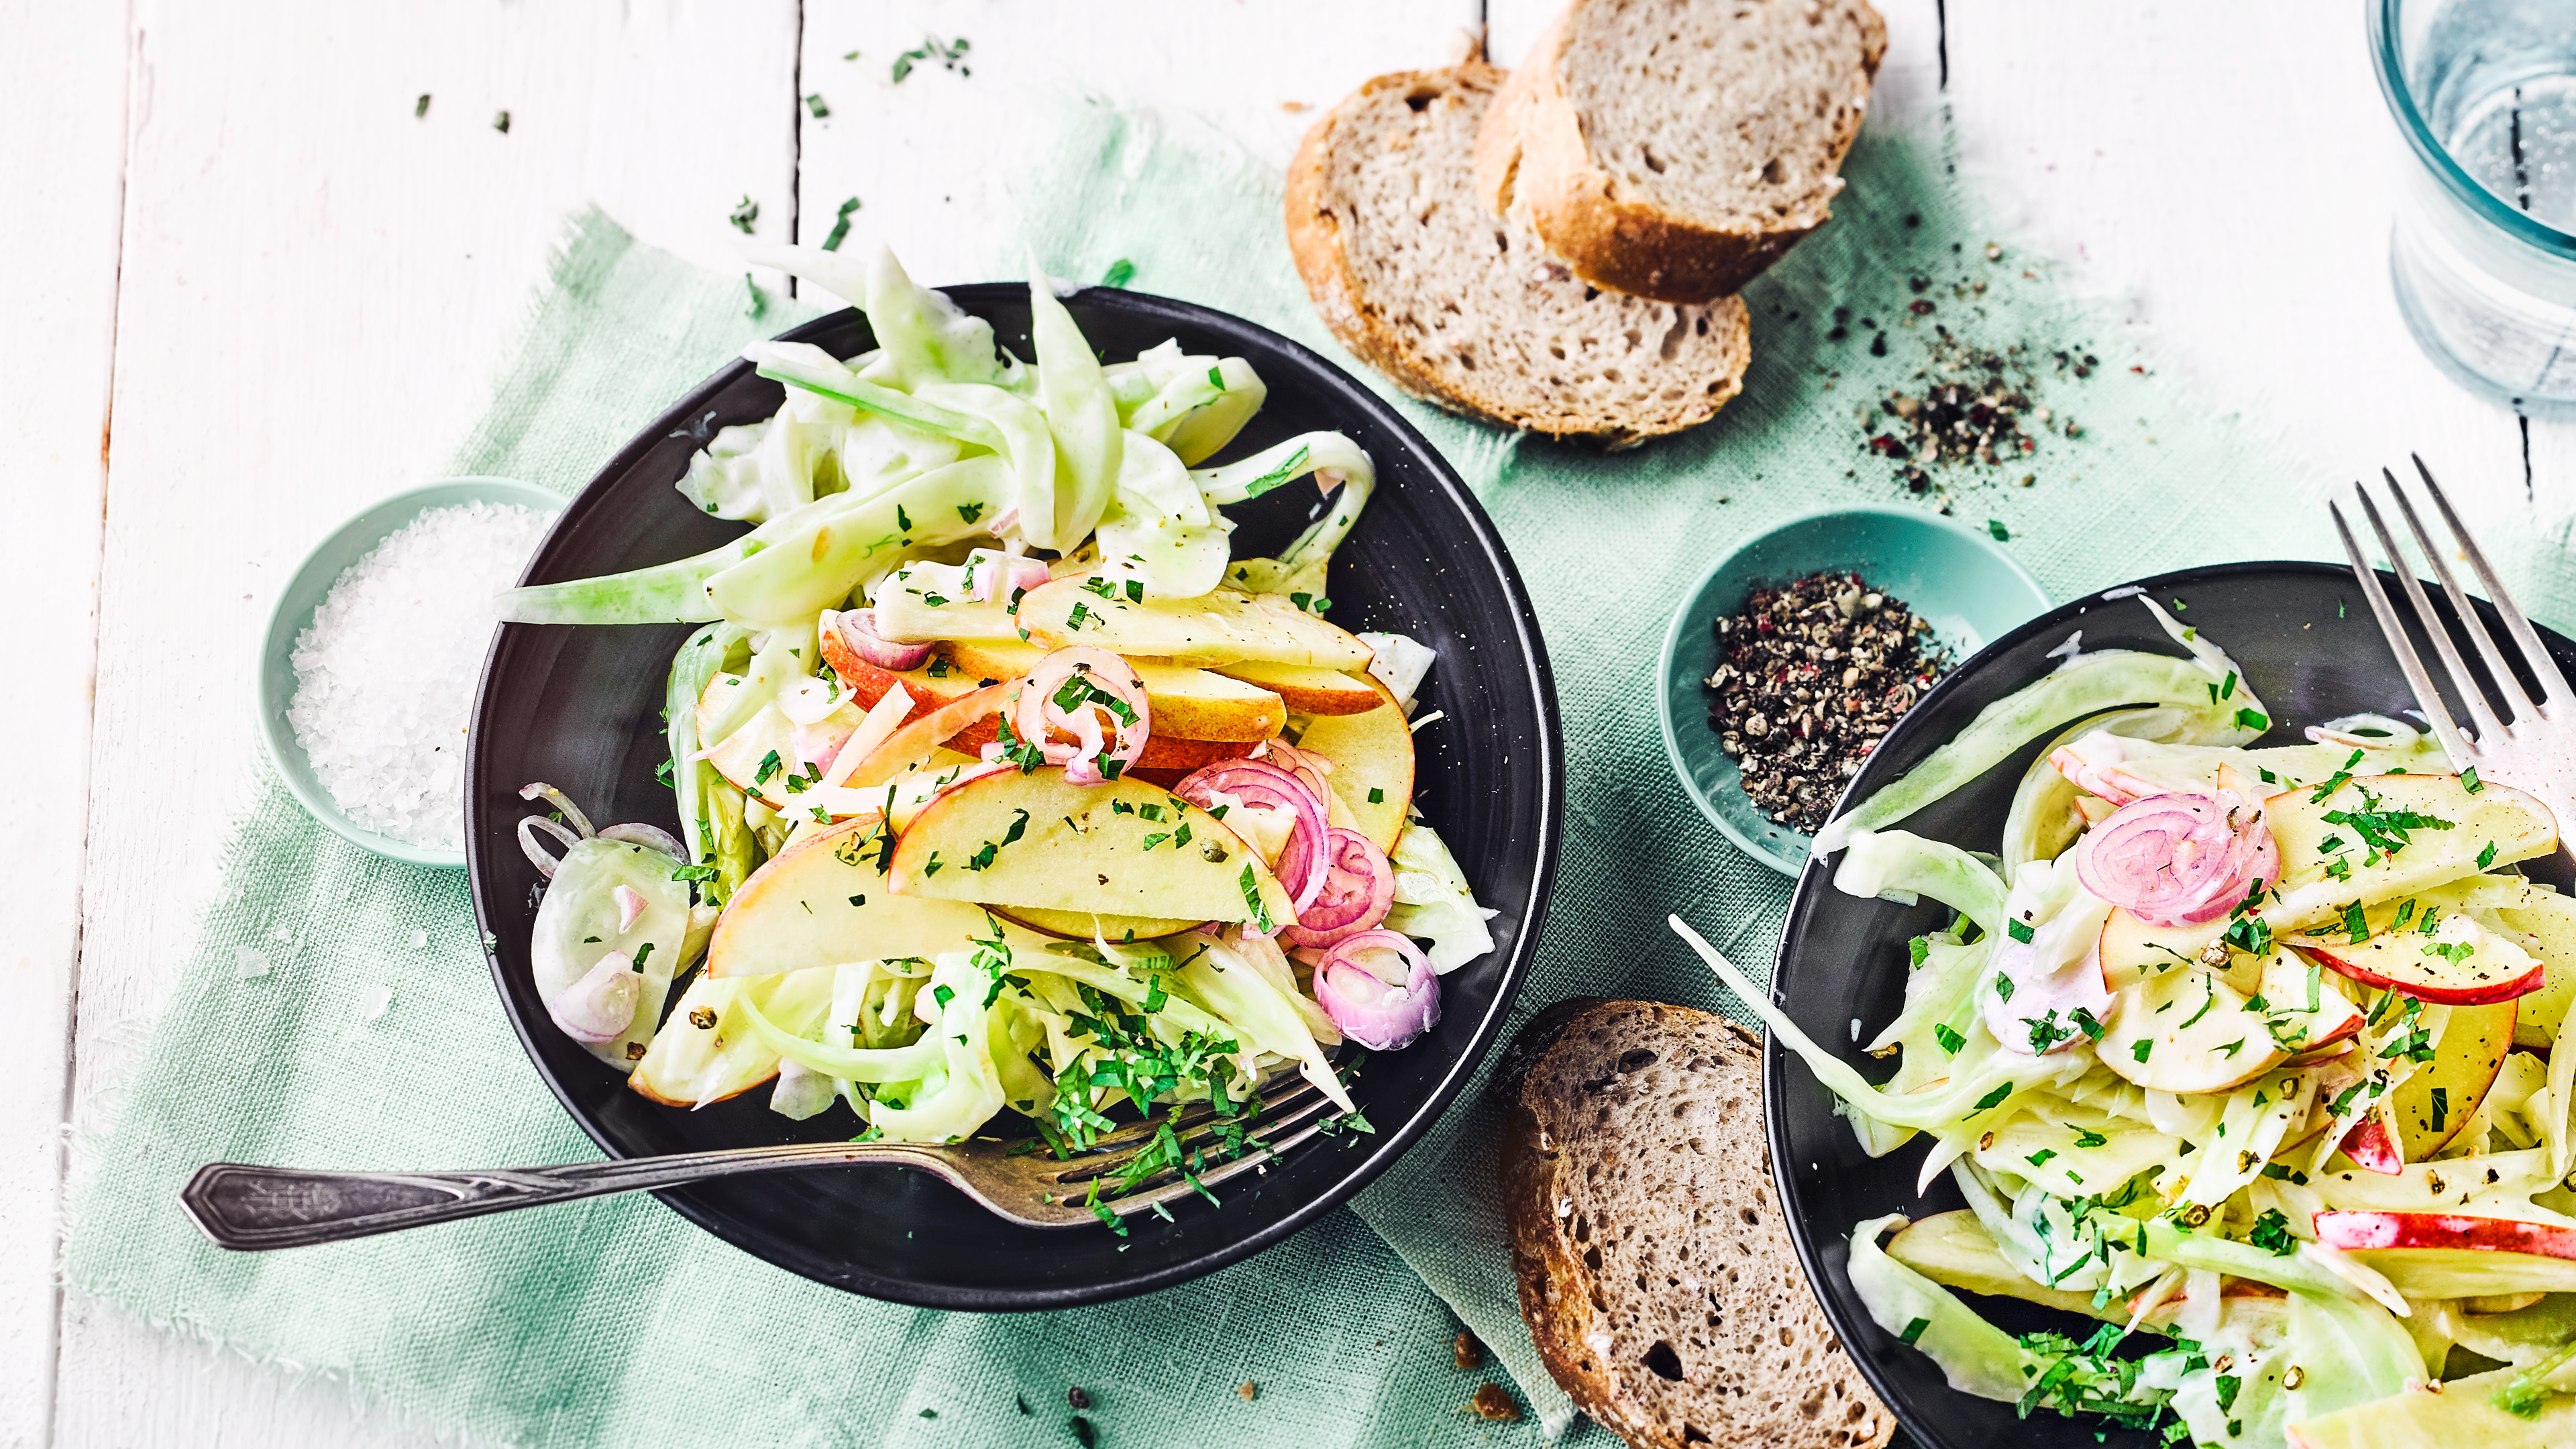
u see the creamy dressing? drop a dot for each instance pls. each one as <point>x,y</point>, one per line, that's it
<point>2055,973</point>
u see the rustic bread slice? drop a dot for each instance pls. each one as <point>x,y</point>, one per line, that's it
<point>1655,1271</point>
<point>1469,312</point>
<point>1673,149</point>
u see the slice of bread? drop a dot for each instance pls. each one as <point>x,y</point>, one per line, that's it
<point>1469,312</point>
<point>1655,1270</point>
<point>1673,149</point>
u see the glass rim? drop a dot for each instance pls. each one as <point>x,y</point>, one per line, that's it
<point>2455,179</point>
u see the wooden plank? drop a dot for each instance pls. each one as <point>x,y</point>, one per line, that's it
<point>932,158</point>
<point>317,287</point>
<point>62,77</point>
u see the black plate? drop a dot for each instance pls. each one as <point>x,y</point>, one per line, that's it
<point>2308,646</point>
<point>579,708</point>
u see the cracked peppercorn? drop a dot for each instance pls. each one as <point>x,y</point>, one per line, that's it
<point>1810,677</point>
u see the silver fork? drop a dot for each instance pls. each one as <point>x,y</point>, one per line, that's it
<point>252,1209</point>
<point>2534,750</point>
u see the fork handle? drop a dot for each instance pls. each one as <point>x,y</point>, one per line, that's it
<point>253,1209</point>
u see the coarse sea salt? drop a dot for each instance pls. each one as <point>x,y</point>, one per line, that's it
<point>384,675</point>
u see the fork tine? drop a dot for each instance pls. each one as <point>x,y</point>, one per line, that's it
<point>2506,681</point>
<point>1253,1158</point>
<point>2490,726</point>
<point>2544,667</point>
<point>2407,660</point>
<point>1269,1119</point>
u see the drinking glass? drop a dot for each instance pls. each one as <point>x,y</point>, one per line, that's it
<point>2483,252</point>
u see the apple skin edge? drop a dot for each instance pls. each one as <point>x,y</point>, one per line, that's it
<point>2370,1148</point>
<point>2360,1229</point>
<point>2433,981</point>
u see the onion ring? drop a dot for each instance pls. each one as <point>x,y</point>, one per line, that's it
<point>858,629</point>
<point>991,574</point>
<point>1261,785</point>
<point>2179,860</point>
<point>1358,890</point>
<point>1357,984</point>
<point>1082,693</point>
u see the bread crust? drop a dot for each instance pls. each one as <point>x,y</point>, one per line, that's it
<point>1316,244</point>
<point>1530,152</point>
<point>1569,1302</point>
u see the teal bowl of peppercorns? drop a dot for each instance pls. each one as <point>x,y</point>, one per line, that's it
<point>1794,655</point>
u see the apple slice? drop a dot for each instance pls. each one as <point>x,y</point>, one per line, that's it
<point>2130,948</point>
<point>2306,1010</point>
<point>1124,847</point>
<point>1954,1250</point>
<point>2460,964</point>
<point>2187,1031</point>
<point>823,901</point>
<point>1218,627</point>
<point>1372,759</point>
<point>2459,1412</point>
<point>1084,926</point>
<point>704,1053</point>
<point>2548,923</point>
<point>1190,703</point>
<point>2368,1146</point>
<point>2514,825</point>
<point>1307,689</point>
<point>932,685</point>
<point>2465,1061</point>
<point>2454,1255</point>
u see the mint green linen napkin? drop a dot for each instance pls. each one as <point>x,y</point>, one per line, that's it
<point>615,1323</point>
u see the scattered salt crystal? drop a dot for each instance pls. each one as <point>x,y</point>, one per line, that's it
<point>419,939</point>
<point>380,999</point>
<point>385,673</point>
<point>249,962</point>
<point>1855,1028</point>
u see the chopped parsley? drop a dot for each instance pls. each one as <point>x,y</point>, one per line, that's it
<point>2020,931</point>
<point>2487,856</point>
<point>2087,1137</point>
<point>1120,273</point>
<point>745,215</point>
<point>2138,1051</point>
<point>832,243</point>
<point>952,56</point>
<point>1949,1039</point>
<point>2253,719</point>
<point>1993,1099</point>
<point>1377,796</point>
<point>2469,780</point>
<point>1295,464</point>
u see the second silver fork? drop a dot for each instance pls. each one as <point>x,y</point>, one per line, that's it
<point>2518,740</point>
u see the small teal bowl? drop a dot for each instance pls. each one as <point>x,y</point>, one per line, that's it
<point>293,613</point>
<point>1955,577</point>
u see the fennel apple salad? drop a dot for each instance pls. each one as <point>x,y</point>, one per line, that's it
<point>2258,1054</point>
<point>1003,784</point>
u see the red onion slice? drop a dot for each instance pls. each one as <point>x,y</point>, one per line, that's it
<point>992,574</point>
<point>1358,890</point>
<point>2179,860</point>
<point>858,629</point>
<point>1260,785</point>
<point>601,1005</point>
<point>1379,989</point>
<point>1309,768</point>
<point>1083,708</point>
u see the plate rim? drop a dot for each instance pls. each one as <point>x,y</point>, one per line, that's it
<point>1547,775</point>
<point>1816,879</point>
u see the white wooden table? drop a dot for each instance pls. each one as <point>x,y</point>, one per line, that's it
<point>225,229</point>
